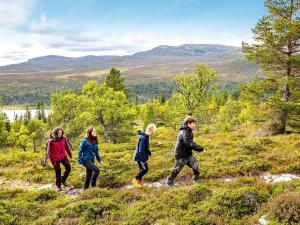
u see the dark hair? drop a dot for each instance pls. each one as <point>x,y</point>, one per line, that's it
<point>89,135</point>
<point>56,130</point>
<point>189,119</point>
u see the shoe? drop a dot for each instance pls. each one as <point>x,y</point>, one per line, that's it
<point>137,183</point>
<point>197,178</point>
<point>59,189</point>
<point>64,182</point>
<point>170,183</point>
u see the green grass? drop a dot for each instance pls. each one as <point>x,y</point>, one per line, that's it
<point>212,201</point>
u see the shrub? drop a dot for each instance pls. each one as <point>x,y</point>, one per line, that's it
<point>294,169</point>
<point>6,218</point>
<point>198,194</point>
<point>285,208</point>
<point>45,195</point>
<point>242,201</point>
<point>89,211</point>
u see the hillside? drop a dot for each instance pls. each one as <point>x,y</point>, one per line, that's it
<point>49,73</point>
<point>232,191</point>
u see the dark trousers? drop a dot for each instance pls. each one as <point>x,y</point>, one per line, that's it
<point>143,170</point>
<point>191,162</point>
<point>59,178</point>
<point>92,172</point>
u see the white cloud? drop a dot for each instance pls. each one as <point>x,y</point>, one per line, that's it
<point>44,25</point>
<point>14,13</point>
<point>46,37</point>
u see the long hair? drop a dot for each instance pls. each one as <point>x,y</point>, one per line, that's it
<point>56,130</point>
<point>89,135</point>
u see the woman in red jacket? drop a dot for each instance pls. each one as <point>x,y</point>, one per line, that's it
<point>58,148</point>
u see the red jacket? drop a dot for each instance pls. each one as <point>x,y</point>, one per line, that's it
<point>58,149</point>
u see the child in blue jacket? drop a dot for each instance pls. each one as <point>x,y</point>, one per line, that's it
<point>142,154</point>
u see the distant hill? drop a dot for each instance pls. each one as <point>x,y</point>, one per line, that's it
<point>159,64</point>
<point>191,50</point>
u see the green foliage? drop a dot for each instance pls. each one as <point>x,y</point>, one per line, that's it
<point>110,109</point>
<point>27,116</point>
<point>276,51</point>
<point>65,106</point>
<point>194,89</point>
<point>22,138</point>
<point>4,131</point>
<point>90,211</point>
<point>40,113</point>
<point>198,193</point>
<point>149,115</point>
<point>36,130</point>
<point>229,115</point>
<point>44,195</point>
<point>241,201</point>
<point>115,81</point>
<point>6,218</point>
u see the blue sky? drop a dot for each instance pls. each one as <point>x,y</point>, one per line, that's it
<point>31,28</point>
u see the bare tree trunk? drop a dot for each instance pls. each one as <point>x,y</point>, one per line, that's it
<point>283,110</point>
<point>34,145</point>
<point>286,89</point>
<point>106,138</point>
<point>198,124</point>
<point>44,161</point>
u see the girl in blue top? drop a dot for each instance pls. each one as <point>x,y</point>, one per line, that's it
<point>88,151</point>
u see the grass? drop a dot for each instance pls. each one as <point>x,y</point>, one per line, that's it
<point>212,201</point>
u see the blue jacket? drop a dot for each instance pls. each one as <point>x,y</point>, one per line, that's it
<point>87,151</point>
<point>142,151</point>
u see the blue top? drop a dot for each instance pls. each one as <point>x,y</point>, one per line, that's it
<point>142,151</point>
<point>87,151</point>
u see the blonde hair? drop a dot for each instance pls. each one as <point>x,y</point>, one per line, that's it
<point>151,127</point>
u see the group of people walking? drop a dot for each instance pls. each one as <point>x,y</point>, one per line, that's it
<point>58,150</point>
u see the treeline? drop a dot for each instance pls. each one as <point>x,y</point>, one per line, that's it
<point>107,106</point>
<point>272,103</point>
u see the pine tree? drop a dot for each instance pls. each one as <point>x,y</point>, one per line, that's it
<point>150,116</point>
<point>115,81</point>
<point>162,97</point>
<point>276,50</point>
<point>27,115</point>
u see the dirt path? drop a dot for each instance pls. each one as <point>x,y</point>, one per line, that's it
<point>75,192</point>
<point>13,183</point>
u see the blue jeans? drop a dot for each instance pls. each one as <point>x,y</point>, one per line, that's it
<point>92,172</point>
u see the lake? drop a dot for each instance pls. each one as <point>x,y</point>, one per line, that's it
<point>12,112</point>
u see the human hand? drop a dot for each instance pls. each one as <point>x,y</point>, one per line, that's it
<point>81,166</point>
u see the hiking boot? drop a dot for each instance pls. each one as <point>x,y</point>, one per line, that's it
<point>64,182</point>
<point>137,183</point>
<point>197,178</point>
<point>59,189</point>
<point>170,183</point>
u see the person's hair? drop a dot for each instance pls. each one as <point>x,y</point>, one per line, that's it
<point>152,127</point>
<point>56,130</point>
<point>189,119</point>
<point>89,135</point>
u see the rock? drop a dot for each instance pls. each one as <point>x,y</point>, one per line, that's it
<point>262,220</point>
<point>46,186</point>
<point>279,178</point>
